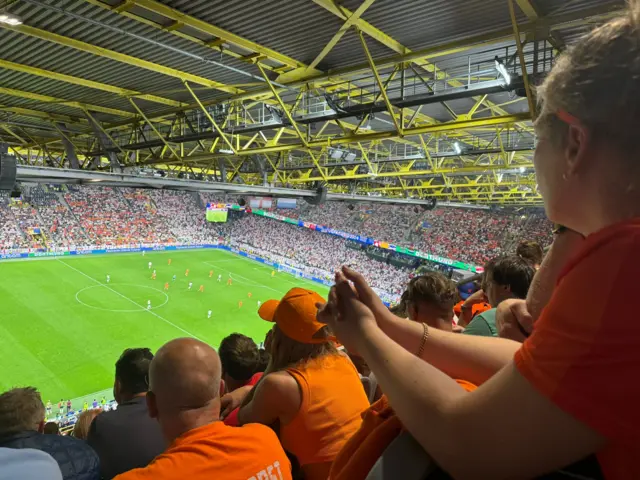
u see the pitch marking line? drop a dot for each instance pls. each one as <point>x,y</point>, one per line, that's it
<point>144,309</point>
<point>166,297</point>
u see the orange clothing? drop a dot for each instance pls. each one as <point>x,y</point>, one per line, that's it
<point>380,426</point>
<point>330,413</point>
<point>582,357</point>
<point>221,452</point>
<point>476,308</point>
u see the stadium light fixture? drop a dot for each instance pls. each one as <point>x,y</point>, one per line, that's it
<point>502,70</point>
<point>10,19</point>
<point>457,148</point>
<point>523,169</point>
<point>226,150</point>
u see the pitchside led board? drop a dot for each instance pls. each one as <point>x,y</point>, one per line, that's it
<point>216,212</point>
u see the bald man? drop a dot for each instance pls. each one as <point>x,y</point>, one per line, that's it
<point>184,396</point>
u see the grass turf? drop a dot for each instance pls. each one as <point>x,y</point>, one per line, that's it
<point>63,327</point>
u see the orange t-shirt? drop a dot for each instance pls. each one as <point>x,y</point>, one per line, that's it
<point>582,357</point>
<point>333,400</point>
<point>221,452</point>
<point>380,426</point>
<point>476,308</point>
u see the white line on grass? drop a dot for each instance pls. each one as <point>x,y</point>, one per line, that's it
<point>144,309</point>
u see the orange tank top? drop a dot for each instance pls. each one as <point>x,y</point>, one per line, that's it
<point>333,401</point>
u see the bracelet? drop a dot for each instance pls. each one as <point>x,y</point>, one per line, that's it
<point>423,342</point>
<point>557,229</point>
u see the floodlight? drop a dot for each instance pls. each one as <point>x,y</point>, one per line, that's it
<point>10,19</point>
<point>457,148</point>
<point>226,150</point>
<point>502,70</point>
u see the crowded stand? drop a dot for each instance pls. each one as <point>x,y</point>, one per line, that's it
<point>532,377</point>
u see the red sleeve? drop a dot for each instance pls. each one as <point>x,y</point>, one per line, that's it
<point>580,355</point>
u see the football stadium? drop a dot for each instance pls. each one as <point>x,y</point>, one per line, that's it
<point>319,239</point>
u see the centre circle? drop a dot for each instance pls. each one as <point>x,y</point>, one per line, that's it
<point>108,288</point>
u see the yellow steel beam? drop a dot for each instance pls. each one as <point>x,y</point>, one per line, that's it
<point>523,65</point>
<point>209,117</point>
<point>216,44</point>
<point>13,134</point>
<point>340,33</point>
<point>381,86</point>
<point>367,137</point>
<point>69,103</point>
<point>28,112</point>
<point>119,57</point>
<point>166,144</point>
<point>102,129</point>
<point>283,106</point>
<point>123,92</point>
<point>197,24</point>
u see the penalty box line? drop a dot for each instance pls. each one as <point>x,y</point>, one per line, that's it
<point>132,301</point>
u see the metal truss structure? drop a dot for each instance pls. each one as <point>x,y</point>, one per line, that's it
<point>138,86</point>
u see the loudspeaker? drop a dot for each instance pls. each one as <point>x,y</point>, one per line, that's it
<point>7,172</point>
<point>320,198</point>
<point>350,206</point>
<point>430,205</point>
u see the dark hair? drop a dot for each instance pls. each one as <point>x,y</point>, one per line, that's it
<point>400,308</point>
<point>51,428</point>
<point>511,271</point>
<point>239,356</point>
<point>530,251</point>
<point>132,370</point>
<point>433,288</point>
<point>263,363</point>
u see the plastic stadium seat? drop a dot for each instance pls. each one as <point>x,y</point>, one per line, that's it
<point>403,459</point>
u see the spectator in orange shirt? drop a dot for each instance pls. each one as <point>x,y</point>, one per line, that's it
<point>310,391</point>
<point>184,396</point>
<point>567,392</point>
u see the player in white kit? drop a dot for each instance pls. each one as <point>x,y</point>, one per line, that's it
<point>259,303</point>
<point>108,278</point>
<point>209,314</point>
<point>148,304</point>
<point>219,278</point>
<point>190,285</point>
<point>150,265</point>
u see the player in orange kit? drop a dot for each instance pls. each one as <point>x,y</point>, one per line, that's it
<point>186,273</point>
<point>210,273</point>
<point>169,262</point>
<point>201,289</point>
<point>249,294</point>
<point>229,281</point>
<point>153,275</point>
<point>240,304</point>
<point>166,285</point>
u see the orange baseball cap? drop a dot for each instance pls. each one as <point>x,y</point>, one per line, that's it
<point>295,315</point>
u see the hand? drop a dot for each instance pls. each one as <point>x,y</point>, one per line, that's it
<point>231,401</point>
<point>475,297</point>
<point>513,320</point>
<point>457,329</point>
<point>367,295</point>
<point>346,314</point>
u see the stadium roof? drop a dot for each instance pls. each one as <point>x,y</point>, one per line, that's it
<point>386,97</point>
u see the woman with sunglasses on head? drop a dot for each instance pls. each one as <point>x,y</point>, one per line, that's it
<point>569,391</point>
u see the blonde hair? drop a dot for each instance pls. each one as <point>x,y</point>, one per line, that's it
<point>597,80</point>
<point>21,409</point>
<point>287,353</point>
<point>81,428</point>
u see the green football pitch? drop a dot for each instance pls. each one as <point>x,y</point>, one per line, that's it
<point>63,327</point>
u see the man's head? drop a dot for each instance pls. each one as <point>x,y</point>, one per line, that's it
<point>51,428</point>
<point>184,386</point>
<point>531,251</point>
<point>430,299</point>
<point>21,409</point>
<point>132,371</point>
<point>507,277</point>
<point>240,357</point>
